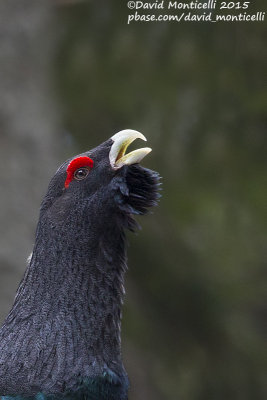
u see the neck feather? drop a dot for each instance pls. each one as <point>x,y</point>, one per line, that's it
<point>68,305</point>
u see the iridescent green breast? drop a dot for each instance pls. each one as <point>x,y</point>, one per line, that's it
<point>93,389</point>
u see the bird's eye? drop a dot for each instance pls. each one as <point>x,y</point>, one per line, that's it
<point>81,173</point>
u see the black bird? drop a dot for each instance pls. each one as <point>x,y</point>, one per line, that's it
<point>61,339</point>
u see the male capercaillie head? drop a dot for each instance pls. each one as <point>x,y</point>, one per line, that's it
<point>62,336</point>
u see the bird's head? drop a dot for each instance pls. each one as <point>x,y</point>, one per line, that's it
<point>71,294</point>
<point>103,182</point>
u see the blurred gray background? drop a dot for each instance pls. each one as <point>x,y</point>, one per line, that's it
<point>72,73</point>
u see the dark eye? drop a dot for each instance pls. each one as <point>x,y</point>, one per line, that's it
<point>81,173</point>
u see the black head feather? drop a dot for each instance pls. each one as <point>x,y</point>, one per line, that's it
<point>62,335</point>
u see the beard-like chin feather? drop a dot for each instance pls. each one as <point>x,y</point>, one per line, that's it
<point>137,190</point>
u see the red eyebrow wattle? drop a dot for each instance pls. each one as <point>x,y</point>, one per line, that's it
<point>74,165</point>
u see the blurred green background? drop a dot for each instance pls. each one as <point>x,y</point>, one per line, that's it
<point>194,324</point>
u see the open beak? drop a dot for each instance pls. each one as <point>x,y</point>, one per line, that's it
<point>122,140</point>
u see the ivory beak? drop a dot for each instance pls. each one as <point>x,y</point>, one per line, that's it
<point>122,140</point>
